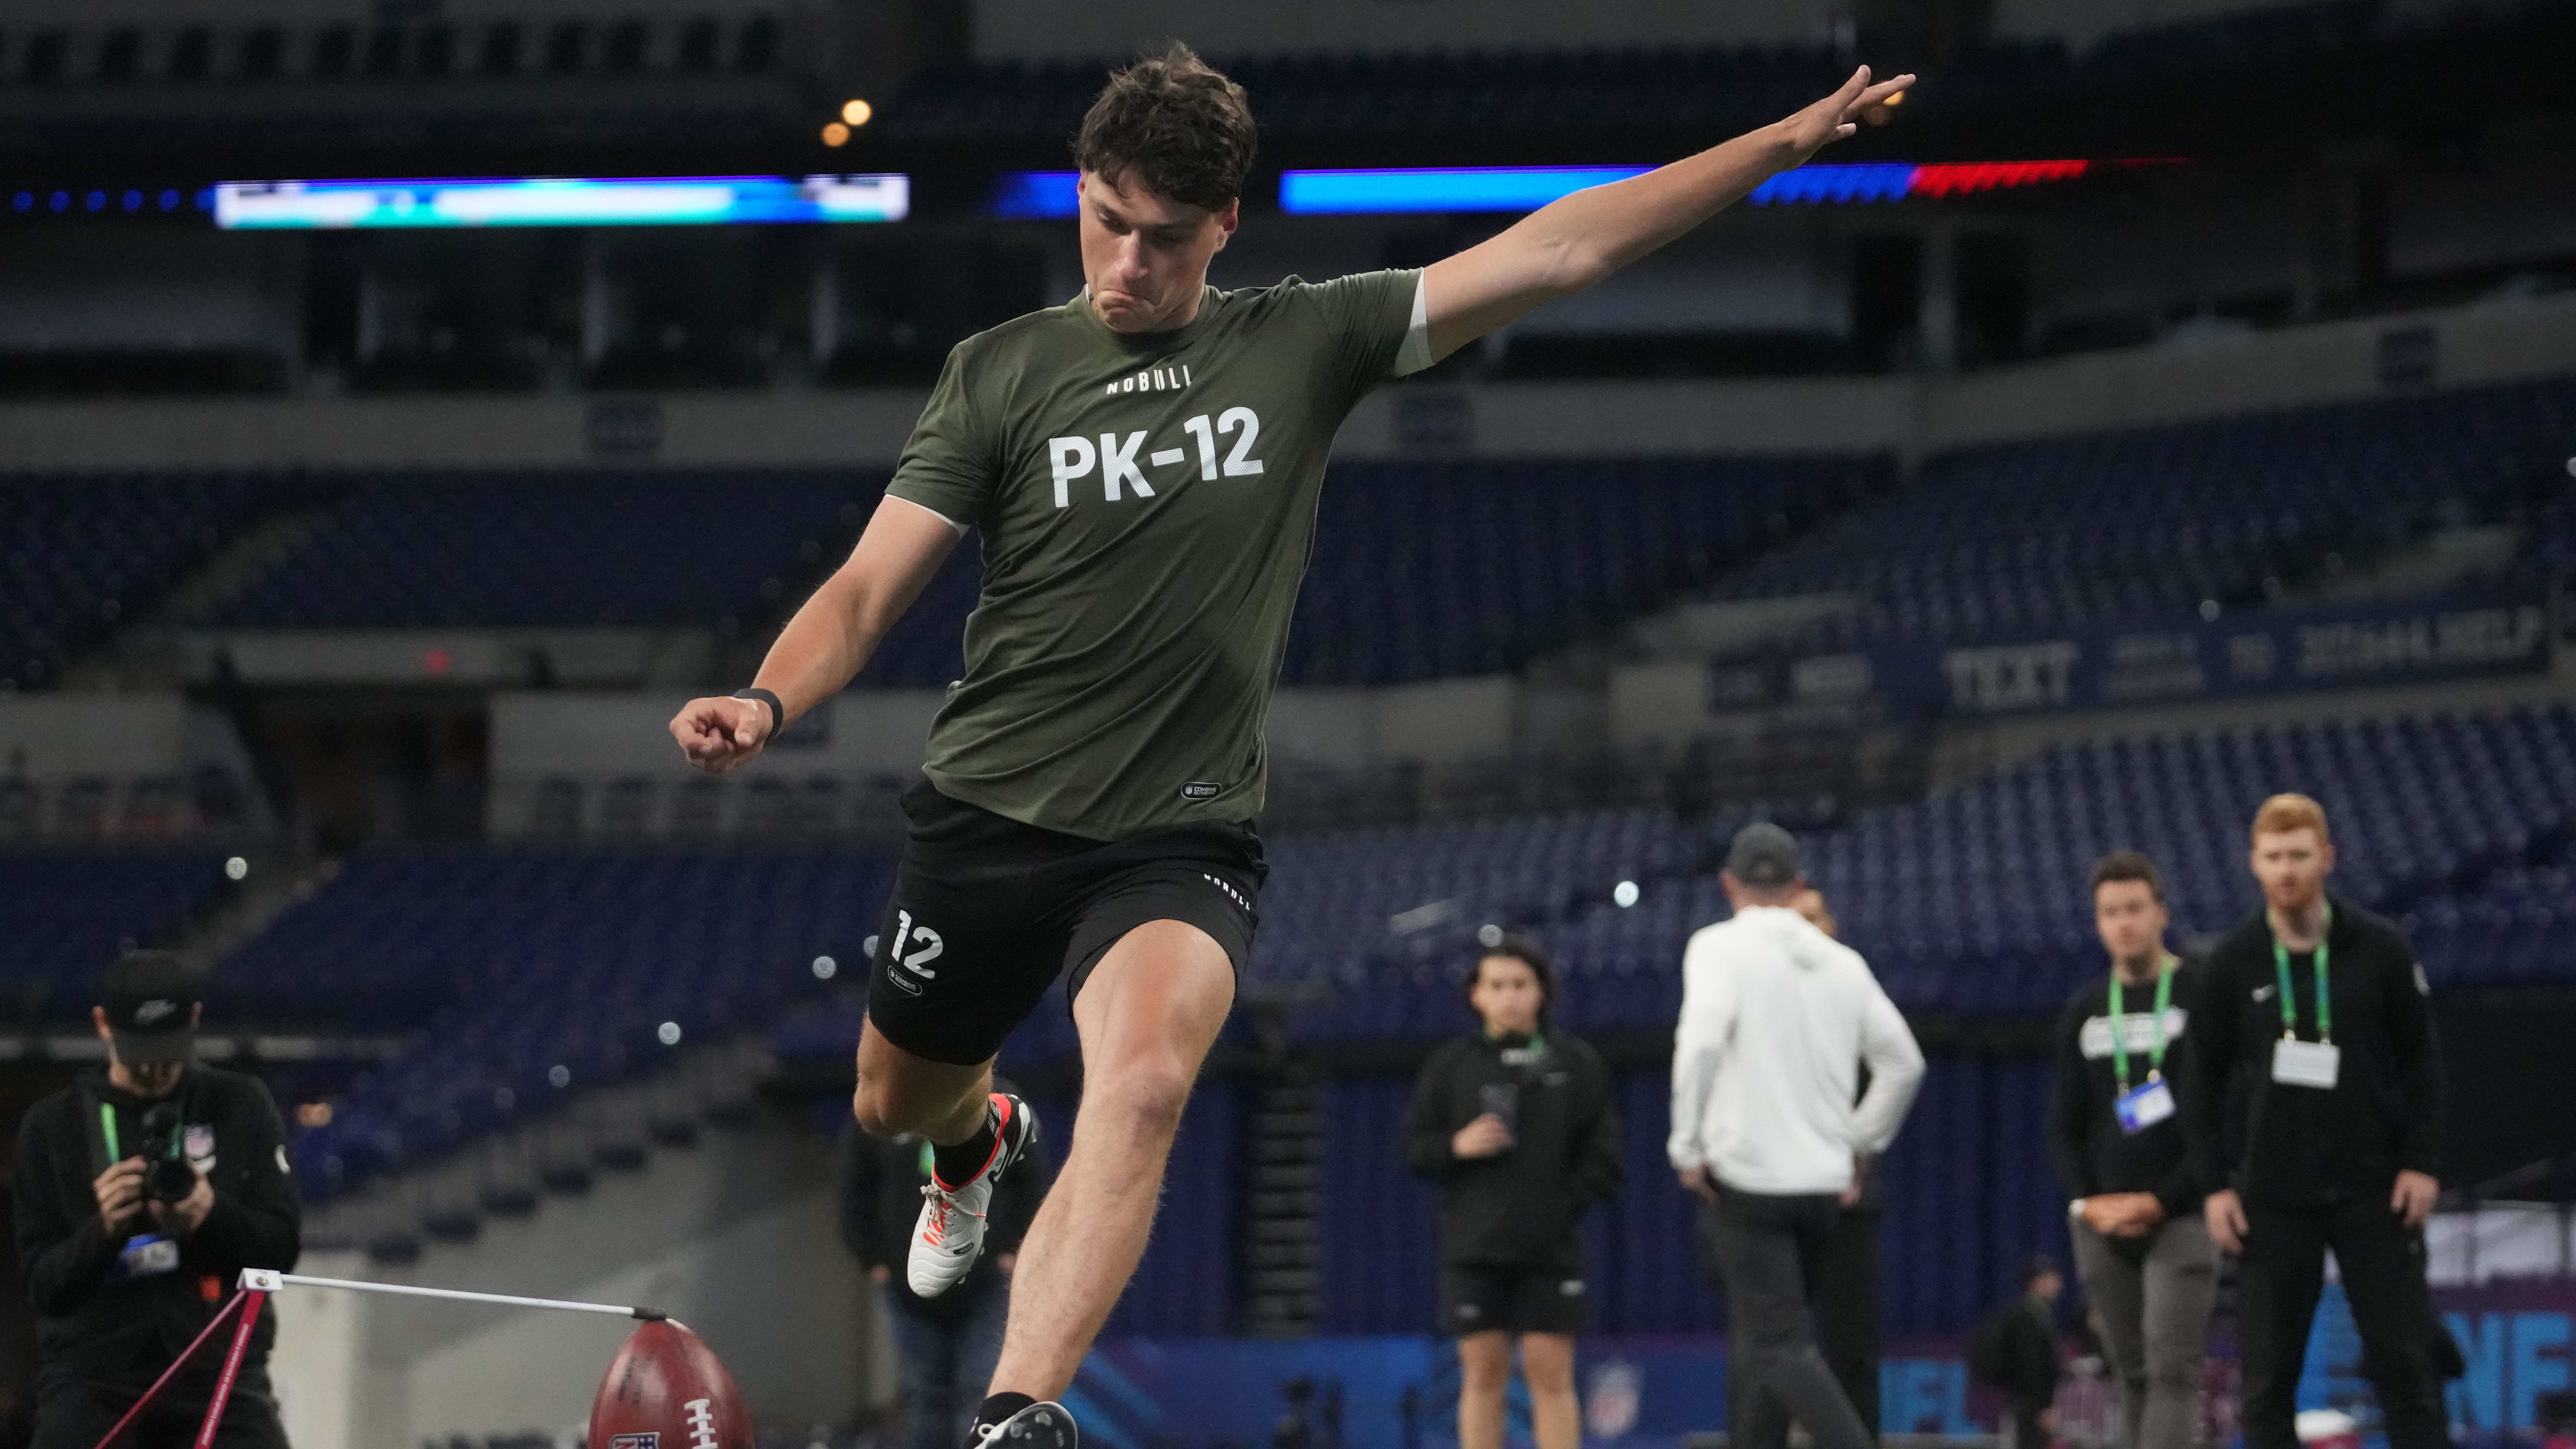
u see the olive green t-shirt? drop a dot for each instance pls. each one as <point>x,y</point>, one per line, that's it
<point>1147,504</point>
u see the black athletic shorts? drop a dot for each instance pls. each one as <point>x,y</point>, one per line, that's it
<point>987,911</point>
<point>1480,1298</point>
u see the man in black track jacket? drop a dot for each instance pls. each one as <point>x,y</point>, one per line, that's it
<point>1517,1125</point>
<point>122,1280</point>
<point>2141,1247</point>
<point>2313,1047</point>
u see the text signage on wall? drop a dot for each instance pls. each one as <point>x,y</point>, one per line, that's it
<point>2265,653</point>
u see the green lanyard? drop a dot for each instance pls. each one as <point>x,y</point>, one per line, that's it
<point>107,1128</point>
<point>2119,1024</point>
<point>2281,975</point>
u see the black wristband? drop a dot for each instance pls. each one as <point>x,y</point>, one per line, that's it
<point>777,711</point>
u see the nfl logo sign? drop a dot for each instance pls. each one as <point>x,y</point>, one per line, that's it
<point>649,1440</point>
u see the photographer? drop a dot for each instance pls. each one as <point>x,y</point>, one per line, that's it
<point>142,1192</point>
<point>1516,1124</point>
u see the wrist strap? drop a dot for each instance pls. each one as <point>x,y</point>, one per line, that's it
<point>777,711</point>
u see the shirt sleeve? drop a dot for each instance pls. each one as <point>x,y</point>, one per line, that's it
<point>1601,1160</point>
<point>2214,1027</point>
<point>1426,1126</point>
<point>262,1224</point>
<point>2070,1105</point>
<point>64,1256</point>
<point>2419,1059</point>
<point>1895,1070</point>
<point>1699,1048</point>
<point>951,464</point>
<point>1379,325</point>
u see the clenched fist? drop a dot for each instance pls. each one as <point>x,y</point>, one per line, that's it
<point>720,734</point>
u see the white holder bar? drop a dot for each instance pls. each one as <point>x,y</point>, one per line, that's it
<point>267,1280</point>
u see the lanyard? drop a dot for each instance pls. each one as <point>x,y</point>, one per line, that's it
<point>2281,977</point>
<point>2119,1026</point>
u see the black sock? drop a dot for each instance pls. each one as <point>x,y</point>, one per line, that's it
<point>995,1410</point>
<point>956,1166</point>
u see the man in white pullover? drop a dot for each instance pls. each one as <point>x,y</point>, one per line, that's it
<point>1777,1018</point>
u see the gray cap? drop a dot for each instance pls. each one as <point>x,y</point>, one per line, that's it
<point>1763,855</point>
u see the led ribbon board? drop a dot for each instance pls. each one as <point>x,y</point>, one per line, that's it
<point>1526,188</point>
<point>643,201</point>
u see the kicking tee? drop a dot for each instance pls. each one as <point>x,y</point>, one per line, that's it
<point>1148,506</point>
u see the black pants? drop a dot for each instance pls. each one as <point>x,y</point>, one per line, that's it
<point>2279,1277</point>
<point>1843,1287</point>
<point>71,1413</point>
<point>1767,1248</point>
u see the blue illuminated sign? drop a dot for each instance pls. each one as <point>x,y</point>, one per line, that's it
<point>1439,188</point>
<point>1035,195</point>
<point>642,201</point>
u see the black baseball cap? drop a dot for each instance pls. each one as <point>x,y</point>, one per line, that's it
<point>1763,855</point>
<point>151,1008</point>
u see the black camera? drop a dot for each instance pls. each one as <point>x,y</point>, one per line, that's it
<point>167,1177</point>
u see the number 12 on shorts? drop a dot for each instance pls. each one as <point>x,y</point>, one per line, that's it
<point>918,963</point>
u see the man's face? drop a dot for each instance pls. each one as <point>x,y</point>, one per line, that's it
<point>1506,995</point>
<point>148,1080</point>
<point>2132,921</point>
<point>2292,866</point>
<point>1146,258</point>
<point>1811,904</point>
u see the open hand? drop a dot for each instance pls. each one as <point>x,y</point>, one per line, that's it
<point>1839,114</point>
<point>721,734</point>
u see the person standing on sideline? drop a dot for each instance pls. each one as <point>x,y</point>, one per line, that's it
<point>1516,1124</point>
<point>2141,1248</point>
<point>1777,1019</point>
<point>945,1346</point>
<point>2314,1118</point>
<point>1845,1287</point>
<point>2015,1350</point>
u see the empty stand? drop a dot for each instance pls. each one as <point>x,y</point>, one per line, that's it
<point>65,917</point>
<point>524,980</point>
<point>86,553</point>
<point>2154,523</point>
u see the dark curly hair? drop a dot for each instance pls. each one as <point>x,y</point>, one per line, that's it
<point>1175,125</point>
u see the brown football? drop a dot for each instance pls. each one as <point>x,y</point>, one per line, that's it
<point>667,1390</point>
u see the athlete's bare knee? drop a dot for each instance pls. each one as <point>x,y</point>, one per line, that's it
<point>1484,1364</point>
<point>1145,1097</point>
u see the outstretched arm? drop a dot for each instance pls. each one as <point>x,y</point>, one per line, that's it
<point>1579,240</point>
<point>829,640</point>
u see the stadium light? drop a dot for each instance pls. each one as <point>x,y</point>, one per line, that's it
<point>645,201</point>
<point>856,113</point>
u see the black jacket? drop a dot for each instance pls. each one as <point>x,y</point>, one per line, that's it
<point>2093,1154</point>
<point>880,1200</point>
<point>1519,1208</point>
<point>2292,1145</point>
<point>2015,1350</point>
<point>92,1321</point>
